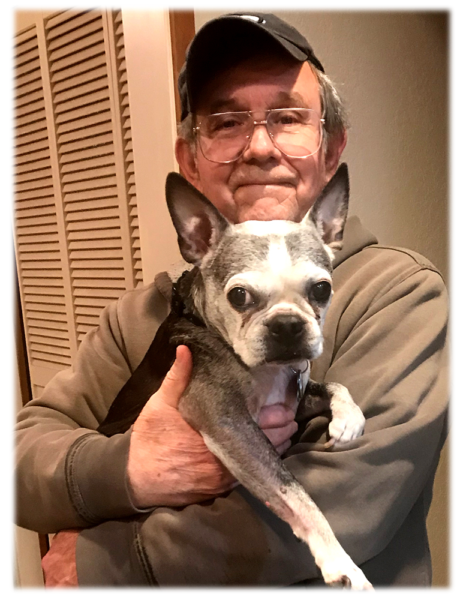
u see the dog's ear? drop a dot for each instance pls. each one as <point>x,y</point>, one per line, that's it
<point>198,223</point>
<point>329,213</point>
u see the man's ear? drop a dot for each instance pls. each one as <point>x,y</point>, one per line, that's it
<point>198,223</point>
<point>329,212</point>
<point>186,157</point>
<point>333,153</point>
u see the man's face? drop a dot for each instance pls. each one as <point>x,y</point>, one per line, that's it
<point>263,184</point>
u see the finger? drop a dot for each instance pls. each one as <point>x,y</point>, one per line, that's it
<point>277,415</point>
<point>281,449</point>
<point>177,378</point>
<point>281,435</point>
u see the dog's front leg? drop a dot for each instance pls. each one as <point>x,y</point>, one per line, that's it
<point>347,420</point>
<point>220,414</point>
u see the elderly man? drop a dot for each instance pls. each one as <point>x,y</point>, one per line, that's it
<point>153,506</point>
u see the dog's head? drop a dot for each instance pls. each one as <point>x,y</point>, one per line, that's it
<point>266,285</point>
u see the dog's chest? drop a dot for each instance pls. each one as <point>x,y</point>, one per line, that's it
<point>273,385</point>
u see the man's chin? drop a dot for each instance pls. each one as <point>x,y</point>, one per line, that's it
<point>266,207</point>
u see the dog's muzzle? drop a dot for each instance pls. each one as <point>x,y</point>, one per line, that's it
<point>286,339</point>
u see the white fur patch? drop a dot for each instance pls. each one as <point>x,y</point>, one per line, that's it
<point>278,258</point>
<point>263,228</point>
<point>330,252</point>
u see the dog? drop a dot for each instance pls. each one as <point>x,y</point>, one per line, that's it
<point>251,311</point>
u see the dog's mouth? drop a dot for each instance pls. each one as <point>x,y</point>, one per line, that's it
<point>288,356</point>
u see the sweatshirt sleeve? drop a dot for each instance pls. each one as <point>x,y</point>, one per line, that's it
<point>67,474</point>
<point>385,341</point>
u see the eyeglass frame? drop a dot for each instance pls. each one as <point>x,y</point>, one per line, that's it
<point>262,122</point>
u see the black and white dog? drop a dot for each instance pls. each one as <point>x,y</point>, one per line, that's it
<point>251,311</point>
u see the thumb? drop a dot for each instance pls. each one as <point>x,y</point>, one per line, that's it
<point>177,378</point>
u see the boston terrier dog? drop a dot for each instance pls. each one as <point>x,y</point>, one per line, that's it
<point>251,311</point>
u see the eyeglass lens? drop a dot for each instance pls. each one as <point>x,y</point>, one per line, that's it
<point>296,132</point>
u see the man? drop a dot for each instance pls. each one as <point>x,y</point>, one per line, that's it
<point>153,506</point>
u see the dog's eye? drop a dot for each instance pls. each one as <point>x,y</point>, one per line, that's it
<point>321,291</point>
<point>240,298</point>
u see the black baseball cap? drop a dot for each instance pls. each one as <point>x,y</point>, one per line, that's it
<point>228,37</point>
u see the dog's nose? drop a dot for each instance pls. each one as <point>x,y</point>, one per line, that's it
<point>286,329</point>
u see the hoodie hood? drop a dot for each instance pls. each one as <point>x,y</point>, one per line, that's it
<point>356,237</point>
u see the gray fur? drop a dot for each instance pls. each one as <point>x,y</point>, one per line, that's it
<point>308,241</point>
<point>235,254</point>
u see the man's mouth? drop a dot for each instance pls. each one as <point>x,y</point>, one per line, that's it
<point>261,177</point>
<point>265,183</point>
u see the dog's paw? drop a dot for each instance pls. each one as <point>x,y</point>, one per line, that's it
<point>346,427</point>
<point>347,421</point>
<point>345,574</point>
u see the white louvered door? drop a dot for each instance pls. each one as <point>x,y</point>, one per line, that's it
<point>76,231</point>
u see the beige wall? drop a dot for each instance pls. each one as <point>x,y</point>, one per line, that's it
<point>391,69</point>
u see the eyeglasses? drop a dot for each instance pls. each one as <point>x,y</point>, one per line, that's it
<point>224,137</point>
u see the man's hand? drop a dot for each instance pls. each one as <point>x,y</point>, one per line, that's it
<point>59,563</point>
<point>169,464</point>
<point>278,424</point>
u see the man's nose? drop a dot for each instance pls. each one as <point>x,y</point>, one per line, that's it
<point>260,146</point>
